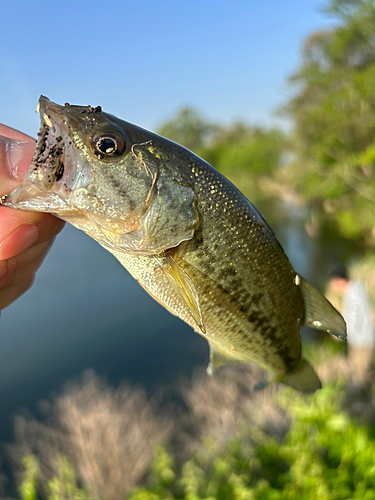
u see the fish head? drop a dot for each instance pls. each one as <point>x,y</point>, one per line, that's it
<point>117,182</point>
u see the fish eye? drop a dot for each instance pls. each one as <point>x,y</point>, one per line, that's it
<point>107,145</point>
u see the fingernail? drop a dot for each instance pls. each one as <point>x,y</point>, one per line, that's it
<point>18,155</point>
<point>19,240</point>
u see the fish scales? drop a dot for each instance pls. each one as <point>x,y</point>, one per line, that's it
<point>228,257</point>
<point>190,238</point>
<point>227,268</point>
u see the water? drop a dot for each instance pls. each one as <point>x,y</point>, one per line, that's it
<point>86,312</point>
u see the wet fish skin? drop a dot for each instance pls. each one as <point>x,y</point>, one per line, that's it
<point>190,238</point>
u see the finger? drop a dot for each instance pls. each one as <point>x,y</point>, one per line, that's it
<point>15,159</point>
<point>23,267</point>
<point>10,294</point>
<point>17,274</point>
<point>14,134</point>
<point>20,230</point>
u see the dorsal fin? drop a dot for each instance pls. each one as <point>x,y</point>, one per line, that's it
<point>320,313</point>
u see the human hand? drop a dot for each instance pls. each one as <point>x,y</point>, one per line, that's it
<point>25,237</point>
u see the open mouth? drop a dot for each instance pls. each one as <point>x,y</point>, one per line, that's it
<point>47,165</point>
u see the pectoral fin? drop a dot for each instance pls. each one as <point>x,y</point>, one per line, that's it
<point>217,358</point>
<point>320,314</point>
<point>185,289</point>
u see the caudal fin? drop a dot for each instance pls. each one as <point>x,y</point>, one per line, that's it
<point>303,378</point>
<point>320,313</point>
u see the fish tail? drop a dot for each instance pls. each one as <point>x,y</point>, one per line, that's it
<point>303,378</point>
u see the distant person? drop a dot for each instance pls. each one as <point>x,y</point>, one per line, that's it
<point>25,237</point>
<point>356,310</point>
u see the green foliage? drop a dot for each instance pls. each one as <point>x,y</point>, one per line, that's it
<point>162,467</point>
<point>334,107</point>
<point>163,476</point>
<point>29,483</point>
<point>325,455</point>
<point>187,128</point>
<point>62,486</point>
<point>333,111</point>
<point>242,153</point>
<point>246,150</point>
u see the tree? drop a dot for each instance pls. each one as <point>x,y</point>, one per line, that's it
<point>243,153</point>
<point>187,128</point>
<point>333,111</point>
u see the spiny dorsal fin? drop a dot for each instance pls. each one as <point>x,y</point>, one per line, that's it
<point>217,358</point>
<point>320,313</point>
<point>185,288</point>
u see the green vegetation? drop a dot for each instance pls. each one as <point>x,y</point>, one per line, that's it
<point>30,478</point>
<point>333,111</point>
<point>325,454</point>
<point>242,153</point>
<point>62,486</point>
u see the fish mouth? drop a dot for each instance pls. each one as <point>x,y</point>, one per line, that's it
<point>41,189</point>
<point>47,165</point>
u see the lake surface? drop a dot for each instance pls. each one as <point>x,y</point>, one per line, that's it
<point>86,312</point>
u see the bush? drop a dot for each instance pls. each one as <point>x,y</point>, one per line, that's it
<point>63,486</point>
<point>314,449</point>
<point>324,455</point>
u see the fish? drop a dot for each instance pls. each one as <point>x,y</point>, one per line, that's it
<point>184,232</point>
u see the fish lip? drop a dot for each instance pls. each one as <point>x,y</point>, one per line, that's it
<point>47,107</point>
<point>52,115</point>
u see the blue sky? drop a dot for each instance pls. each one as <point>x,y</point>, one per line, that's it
<point>143,60</point>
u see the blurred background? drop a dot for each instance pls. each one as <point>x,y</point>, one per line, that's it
<point>278,96</point>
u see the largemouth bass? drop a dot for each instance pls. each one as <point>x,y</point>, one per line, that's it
<point>189,237</point>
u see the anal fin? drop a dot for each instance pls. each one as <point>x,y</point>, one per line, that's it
<point>217,358</point>
<point>303,378</point>
<point>320,313</point>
